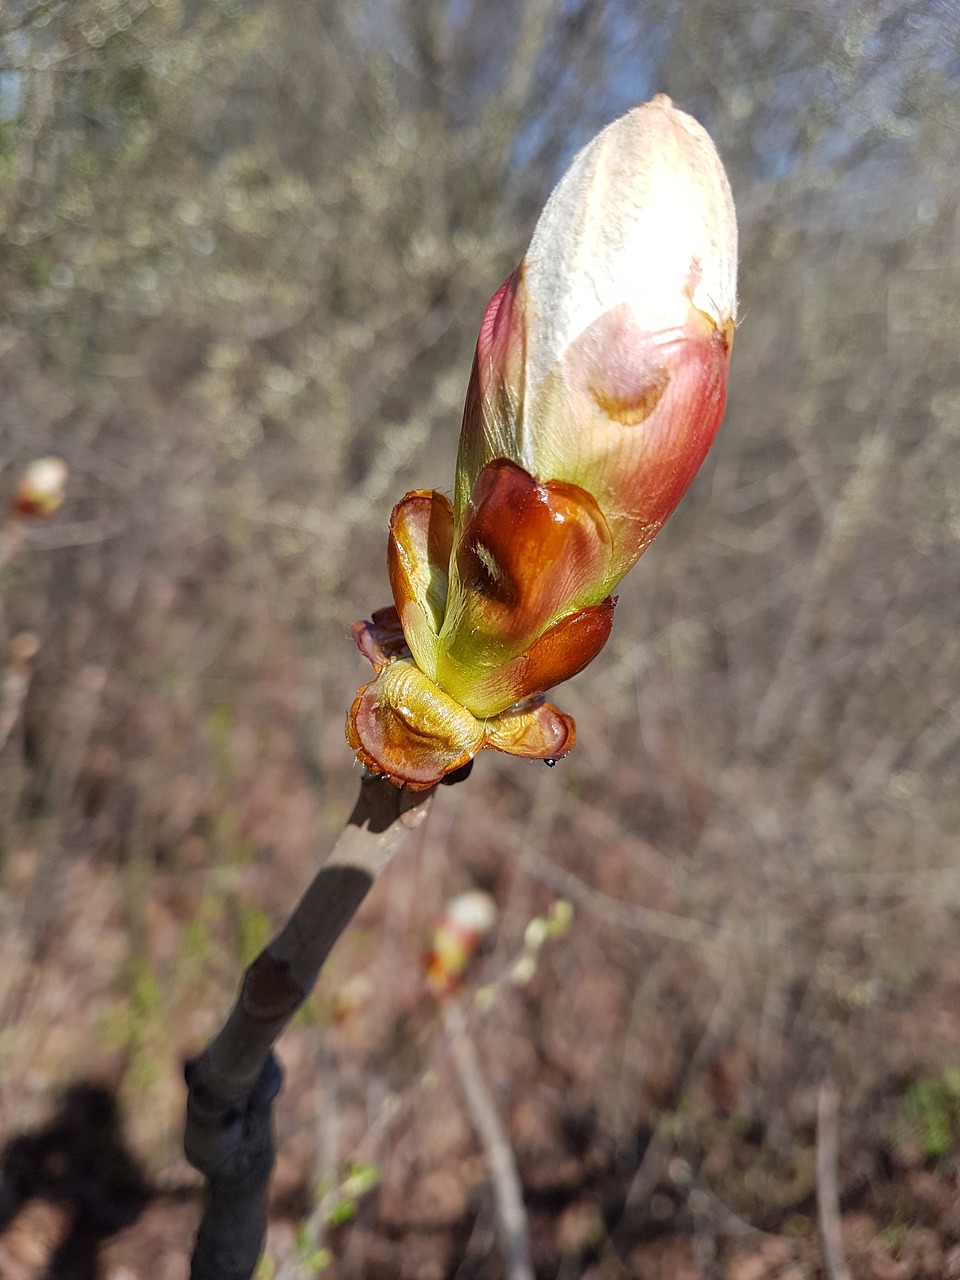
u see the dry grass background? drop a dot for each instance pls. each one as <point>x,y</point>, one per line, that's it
<point>245,252</point>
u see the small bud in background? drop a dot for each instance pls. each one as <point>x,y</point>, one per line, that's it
<point>535,934</point>
<point>540,930</point>
<point>525,970</point>
<point>466,920</point>
<point>41,489</point>
<point>559,917</point>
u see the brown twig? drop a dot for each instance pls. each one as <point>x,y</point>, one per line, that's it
<point>233,1083</point>
<point>828,1195</point>
<point>511,1213</point>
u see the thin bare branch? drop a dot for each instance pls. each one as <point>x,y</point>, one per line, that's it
<point>232,1085</point>
<point>828,1195</point>
<point>511,1213</point>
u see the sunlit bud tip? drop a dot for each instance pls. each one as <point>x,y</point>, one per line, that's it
<point>644,216</point>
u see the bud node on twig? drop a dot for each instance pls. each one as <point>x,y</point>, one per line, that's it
<point>269,989</point>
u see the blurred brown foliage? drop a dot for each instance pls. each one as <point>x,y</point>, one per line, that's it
<point>245,250</point>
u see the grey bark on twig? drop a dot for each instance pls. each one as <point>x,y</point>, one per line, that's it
<point>232,1085</point>
<point>235,1152</point>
